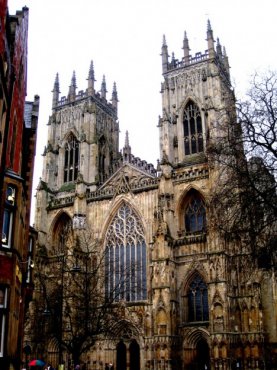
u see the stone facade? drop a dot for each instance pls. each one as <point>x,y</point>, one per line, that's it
<point>201,308</point>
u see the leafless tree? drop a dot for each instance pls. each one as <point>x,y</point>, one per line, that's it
<point>74,304</point>
<point>244,202</point>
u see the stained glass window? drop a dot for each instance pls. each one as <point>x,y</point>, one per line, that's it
<point>126,257</point>
<point>198,300</point>
<point>193,135</point>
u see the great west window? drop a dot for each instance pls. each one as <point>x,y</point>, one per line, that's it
<point>126,257</point>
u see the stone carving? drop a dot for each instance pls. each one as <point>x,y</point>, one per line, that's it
<point>79,221</point>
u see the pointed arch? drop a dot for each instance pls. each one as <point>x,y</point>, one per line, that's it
<point>118,201</point>
<point>61,232</point>
<point>192,129</point>
<point>134,350</point>
<point>71,157</point>
<point>121,356</point>
<point>196,305</point>
<point>102,143</point>
<point>125,256</point>
<point>53,351</point>
<point>192,212</point>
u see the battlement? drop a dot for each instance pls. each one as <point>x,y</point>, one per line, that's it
<point>197,58</point>
<point>217,54</point>
<point>81,95</point>
<point>72,96</point>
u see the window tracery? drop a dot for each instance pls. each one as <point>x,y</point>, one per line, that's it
<point>126,257</point>
<point>198,309</point>
<point>195,214</point>
<point>62,234</point>
<point>71,159</point>
<point>193,130</point>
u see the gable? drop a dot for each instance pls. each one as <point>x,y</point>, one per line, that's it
<point>127,179</point>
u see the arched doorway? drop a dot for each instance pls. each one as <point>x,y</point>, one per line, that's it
<point>134,356</point>
<point>202,359</point>
<point>121,356</point>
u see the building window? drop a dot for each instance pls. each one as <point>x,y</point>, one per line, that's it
<point>198,309</point>
<point>193,131</point>
<point>195,214</point>
<point>71,159</point>
<point>126,257</point>
<point>8,217</point>
<point>3,315</point>
<point>62,234</point>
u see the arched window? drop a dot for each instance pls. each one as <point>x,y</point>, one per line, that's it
<point>198,309</point>
<point>102,159</point>
<point>193,131</point>
<point>62,233</point>
<point>71,159</point>
<point>126,257</point>
<point>195,213</point>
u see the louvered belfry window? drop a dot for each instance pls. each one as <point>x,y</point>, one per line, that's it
<point>193,130</point>
<point>71,159</point>
<point>126,257</point>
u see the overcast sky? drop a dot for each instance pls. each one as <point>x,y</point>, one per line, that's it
<point>124,38</point>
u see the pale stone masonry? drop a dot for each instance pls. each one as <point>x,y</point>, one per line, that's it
<point>196,310</point>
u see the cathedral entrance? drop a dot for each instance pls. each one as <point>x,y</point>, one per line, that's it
<point>121,363</point>
<point>133,355</point>
<point>202,359</point>
<point>199,357</point>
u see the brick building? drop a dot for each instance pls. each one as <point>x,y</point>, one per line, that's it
<point>17,150</point>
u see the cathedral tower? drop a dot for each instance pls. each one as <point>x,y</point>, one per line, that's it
<point>194,89</point>
<point>82,136</point>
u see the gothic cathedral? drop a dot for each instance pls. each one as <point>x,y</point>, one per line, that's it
<point>192,308</point>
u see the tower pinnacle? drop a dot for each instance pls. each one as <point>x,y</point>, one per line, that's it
<point>218,49</point>
<point>210,40</point>
<point>56,91</point>
<point>114,96</point>
<point>186,48</point>
<point>164,55</point>
<point>72,88</point>
<point>91,79</point>
<point>103,88</point>
<point>127,149</point>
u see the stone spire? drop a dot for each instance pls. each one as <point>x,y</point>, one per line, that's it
<point>72,88</point>
<point>114,96</point>
<point>186,48</point>
<point>164,55</point>
<point>210,40</point>
<point>127,149</point>
<point>56,92</point>
<point>103,88</point>
<point>91,79</point>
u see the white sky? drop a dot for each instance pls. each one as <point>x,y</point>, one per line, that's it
<point>124,39</point>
